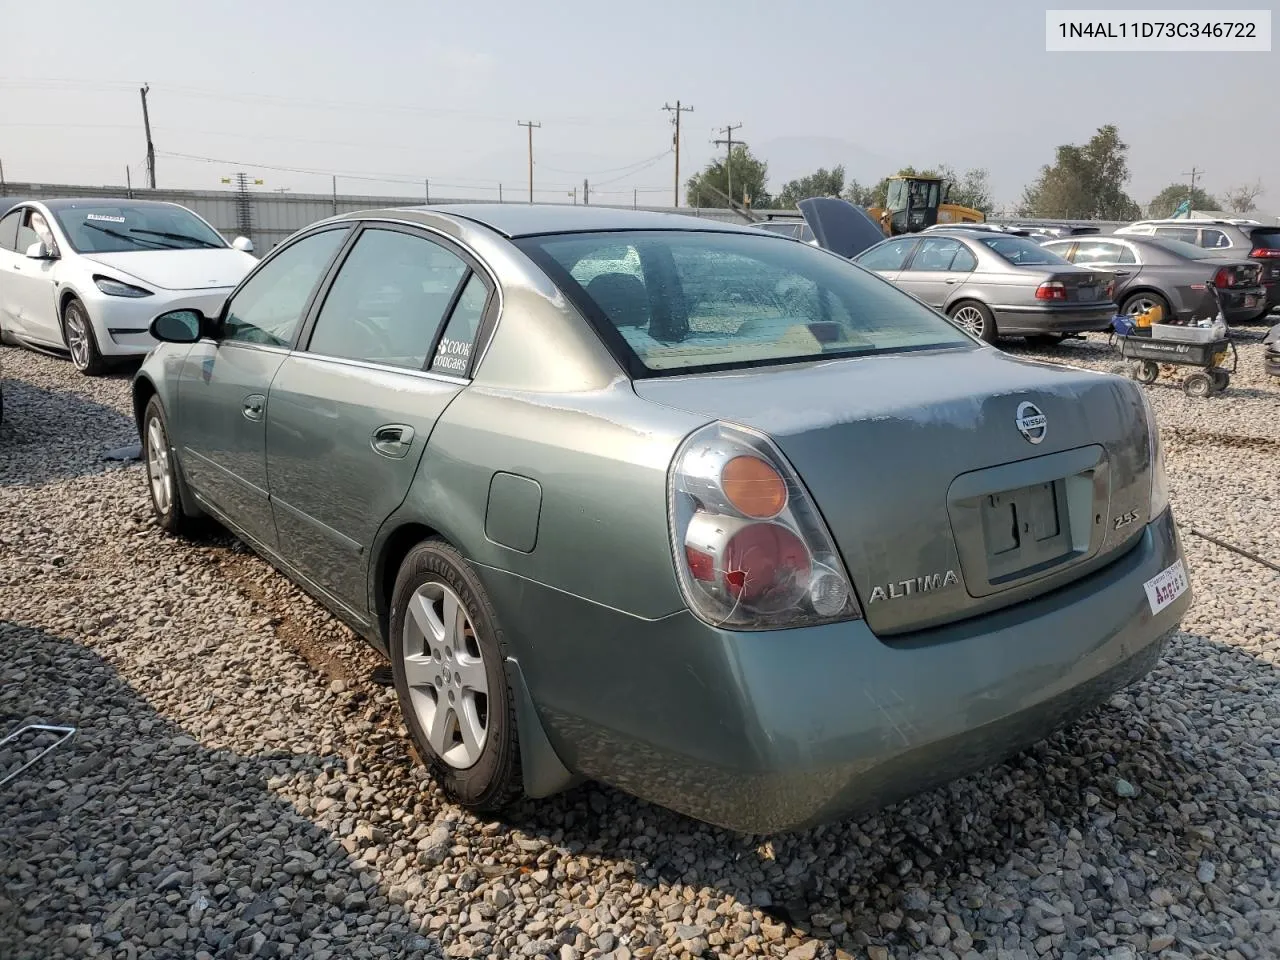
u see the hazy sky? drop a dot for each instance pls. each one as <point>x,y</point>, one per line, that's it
<point>406,90</point>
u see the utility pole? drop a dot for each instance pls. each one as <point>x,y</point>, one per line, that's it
<point>530,124</point>
<point>1193,174</point>
<point>335,194</point>
<point>574,194</point>
<point>677,110</point>
<point>426,189</point>
<point>151,147</point>
<point>586,191</point>
<point>728,160</point>
<point>128,180</point>
<point>3,188</point>
<point>499,193</point>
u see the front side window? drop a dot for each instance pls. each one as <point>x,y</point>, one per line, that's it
<point>1022,252</point>
<point>887,256</point>
<point>110,227</point>
<point>676,301</point>
<point>388,300</point>
<point>269,307</point>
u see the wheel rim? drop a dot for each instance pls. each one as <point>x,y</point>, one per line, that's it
<point>445,671</point>
<point>77,338</point>
<point>1140,305</point>
<point>159,469</point>
<point>970,319</point>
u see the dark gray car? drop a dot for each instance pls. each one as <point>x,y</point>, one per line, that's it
<point>993,284</point>
<point>1185,281</point>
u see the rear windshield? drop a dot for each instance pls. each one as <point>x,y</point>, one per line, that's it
<point>1266,238</point>
<point>122,227</point>
<point>680,302</point>
<point>1022,252</point>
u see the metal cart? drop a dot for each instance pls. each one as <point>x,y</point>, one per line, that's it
<point>1145,355</point>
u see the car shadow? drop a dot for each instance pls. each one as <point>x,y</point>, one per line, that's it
<point>1119,773</point>
<point>49,435</point>
<point>134,837</point>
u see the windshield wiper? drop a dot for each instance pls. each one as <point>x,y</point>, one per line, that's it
<point>177,236</point>
<point>125,236</point>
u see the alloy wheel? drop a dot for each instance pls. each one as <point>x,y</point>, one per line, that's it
<point>970,319</point>
<point>445,672</point>
<point>1140,305</point>
<point>159,470</point>
<point>77,337</point>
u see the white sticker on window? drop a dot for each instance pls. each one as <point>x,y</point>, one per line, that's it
<point>103,216</point>
<point>452,355</point>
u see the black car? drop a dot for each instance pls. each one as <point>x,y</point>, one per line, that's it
<point>1187,282</point>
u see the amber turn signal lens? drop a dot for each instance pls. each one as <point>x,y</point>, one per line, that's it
<point>754,487</point>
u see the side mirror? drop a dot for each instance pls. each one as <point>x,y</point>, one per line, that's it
<point>179,326</point>
<point>38,251</point>
<point>243,243</point>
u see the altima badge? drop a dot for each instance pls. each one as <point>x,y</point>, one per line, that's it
<point>1031,423</point>
<point>903,588</point>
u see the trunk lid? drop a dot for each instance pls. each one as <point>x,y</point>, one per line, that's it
<point>945,495</point>
<point>1083,285</point>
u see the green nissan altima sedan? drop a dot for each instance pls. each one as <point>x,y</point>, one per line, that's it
<point>706,513</point>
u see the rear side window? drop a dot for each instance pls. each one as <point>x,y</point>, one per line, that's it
<point>935,254</point>
<point>389,298</point>
<point>1022,252</point>
<point>1213,238</point>
<point>453,353</point>
<point>887,256</point>
<point>9,230</point>
<point>1185,234</point>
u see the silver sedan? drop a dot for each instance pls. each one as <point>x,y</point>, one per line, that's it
<point>995,284</point>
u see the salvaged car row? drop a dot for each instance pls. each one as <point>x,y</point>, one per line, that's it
<point>674,504</point>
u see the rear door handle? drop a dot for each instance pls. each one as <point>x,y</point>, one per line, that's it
<point>252,407</point>
<point>951,280</point>
<point>393,440</point>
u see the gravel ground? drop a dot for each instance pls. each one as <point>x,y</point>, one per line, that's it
<point>240,786</point>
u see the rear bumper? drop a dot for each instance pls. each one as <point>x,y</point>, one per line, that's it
<point>1053,318</point>
<point>1233,301</point>
<point>775,731</point>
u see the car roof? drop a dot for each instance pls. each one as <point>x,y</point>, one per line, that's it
<point>68,203</point>
<point>514,220</point>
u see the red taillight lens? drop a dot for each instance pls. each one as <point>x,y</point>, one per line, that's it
<point>1224,278</point>
<point>1053,290</point>
<point>766,565</point>
<point>1264,253</point>
<point>1111,290</point>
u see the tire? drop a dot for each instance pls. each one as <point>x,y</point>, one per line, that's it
<point>975,318</point>
<point>1221,379</point>
<point>170,499</point>
<point>78,335</point>
<point>1146,371</point>
<point>1135,303</point>
<point>435,667</point>
<point>1197,385</point>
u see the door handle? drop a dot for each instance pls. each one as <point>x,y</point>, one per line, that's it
<point>252,408</point>
<point>951,280</point>
<point>392,440</point>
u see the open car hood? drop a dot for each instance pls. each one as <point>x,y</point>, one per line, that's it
<point>839,226</point>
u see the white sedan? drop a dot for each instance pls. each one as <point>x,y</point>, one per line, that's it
<point>87,276</point>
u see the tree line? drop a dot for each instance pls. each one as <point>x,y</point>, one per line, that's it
<point>1085,182</point>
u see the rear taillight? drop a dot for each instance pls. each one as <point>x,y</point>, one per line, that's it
<point>751,550</point>
<point>1264,253</point>
<point>1224,278</point>
<point>1110,293</point>
<point>1053,290</point>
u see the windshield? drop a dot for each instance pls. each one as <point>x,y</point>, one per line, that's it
<point>109,227</point>
<point>679,302</point>
<point>1022,252</point>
